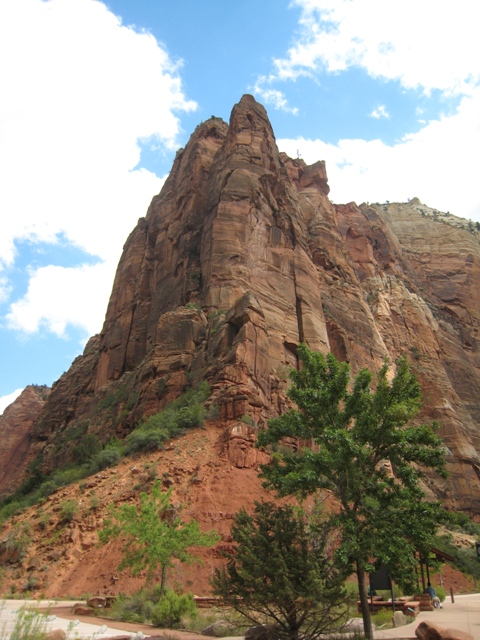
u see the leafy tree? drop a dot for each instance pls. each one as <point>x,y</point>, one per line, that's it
<point>154,534</point>
<point>352,434</point>
<point>278,573</point>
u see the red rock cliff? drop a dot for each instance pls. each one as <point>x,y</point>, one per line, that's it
<point>242,256</point>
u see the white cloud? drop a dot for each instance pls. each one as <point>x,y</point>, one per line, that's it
<point>78,91</point>
<point>272,96</point>
<point>436,164</point>
<point>380,112</point>
<point>5,288</point>
<point>7,400</point>
<point>59,296</point>
<point>427,45</point>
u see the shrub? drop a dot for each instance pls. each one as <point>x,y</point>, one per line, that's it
<point>94,502</point>
<point>14,545</point>
<point>47,488</point>
<point>141,440</point>
<point>68,510</point>
<point>148,604</point>
<point>108,457</point>
<point>184,413</point>
<point>172,608</point>
<point>43,521</point>
<point>86,449</point>
<point>191,416</point>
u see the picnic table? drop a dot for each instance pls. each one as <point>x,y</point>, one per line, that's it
<point>408,604</point>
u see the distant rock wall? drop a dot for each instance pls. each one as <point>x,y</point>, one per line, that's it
<point>241,257</point>
<point>15,427</point>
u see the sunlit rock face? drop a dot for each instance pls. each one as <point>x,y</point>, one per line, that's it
<point>15,427</point>
<point>242,256</point>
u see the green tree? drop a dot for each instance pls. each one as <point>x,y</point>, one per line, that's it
<point>382,516</point>
<point>154,534</point>
<point>279,573</point>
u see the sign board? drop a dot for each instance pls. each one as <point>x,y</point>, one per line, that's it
<point>380,580</point>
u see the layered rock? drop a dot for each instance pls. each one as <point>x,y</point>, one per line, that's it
<point>241,257</point>
<point>15,426</point>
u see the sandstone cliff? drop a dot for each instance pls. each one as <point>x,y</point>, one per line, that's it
<point>15,426</point>
<point>242,256</point>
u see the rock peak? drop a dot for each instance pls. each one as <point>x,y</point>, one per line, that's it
<point>241,257</point>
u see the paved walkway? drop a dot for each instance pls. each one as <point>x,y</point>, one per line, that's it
<point>463,614</point>
<point>10,608</point>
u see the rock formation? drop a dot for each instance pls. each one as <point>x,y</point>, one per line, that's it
<point>242,256</point>
<point>15,425</point>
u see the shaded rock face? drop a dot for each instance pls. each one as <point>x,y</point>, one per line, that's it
<point>241,257</point>
<point>15,426</point>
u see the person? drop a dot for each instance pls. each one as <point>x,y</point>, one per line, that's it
<point>435,599</point>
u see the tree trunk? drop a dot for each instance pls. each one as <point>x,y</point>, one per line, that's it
<point>163,580</point>
<point>362,588</point>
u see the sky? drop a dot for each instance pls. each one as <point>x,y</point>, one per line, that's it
<point>96,97</point>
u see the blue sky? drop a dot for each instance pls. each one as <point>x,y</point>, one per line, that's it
<point>98,96</point>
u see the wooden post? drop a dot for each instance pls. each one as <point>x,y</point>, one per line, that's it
<point>428,572</point>
<point>422,573</point>
<point>451,595</point>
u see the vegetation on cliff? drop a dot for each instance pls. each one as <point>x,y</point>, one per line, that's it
<point>89,456</point>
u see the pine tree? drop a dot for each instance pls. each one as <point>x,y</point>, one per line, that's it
<point>279,574</point>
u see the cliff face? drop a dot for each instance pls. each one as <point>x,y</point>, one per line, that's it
<point>15,426</point>
<point>241,257</point>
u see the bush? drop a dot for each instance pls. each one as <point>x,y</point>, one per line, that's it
<point>141,440</point>
<point>108,457</point>
<point>68,510</point>
<point>191,416</point>
<point>86,449</point>
<point>147,604</point>
<point>184,413</point>
<point>14,545</point>
<point>172,608</point>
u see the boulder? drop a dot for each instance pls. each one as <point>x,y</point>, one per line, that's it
<point>82,610</point>
<point>56,634</point>
<point>399,619</point>
<point>97,602</point>
<point>429,631</point>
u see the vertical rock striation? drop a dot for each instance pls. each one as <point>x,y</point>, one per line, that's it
<point>241,257</point>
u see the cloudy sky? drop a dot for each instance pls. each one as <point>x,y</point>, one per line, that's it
<point>97,97</point>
